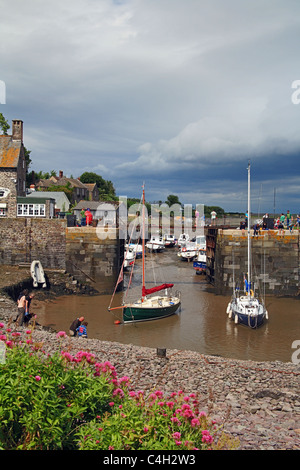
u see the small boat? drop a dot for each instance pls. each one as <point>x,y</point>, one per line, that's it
<point>129,257</point>
<point>199,264</point>
<point>201,242</point>
<point>247,309</point>
<point>183,239</point>
<point>37,274</point>
<point>155,243</point>
<point>148,307</point>
<point>135,248</point>
<point>169,240</point>
<point>188,251</point>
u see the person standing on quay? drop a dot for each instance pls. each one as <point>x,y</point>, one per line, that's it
<point>289,219</point>
<point>89,217</point>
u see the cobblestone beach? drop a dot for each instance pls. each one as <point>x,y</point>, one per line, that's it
<point>258,403</point>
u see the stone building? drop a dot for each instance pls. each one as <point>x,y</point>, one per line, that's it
<point>12,170</point>
<point>80,191</point>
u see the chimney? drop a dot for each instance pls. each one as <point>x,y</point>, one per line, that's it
<point>61,174</point>
<point>17,130</point>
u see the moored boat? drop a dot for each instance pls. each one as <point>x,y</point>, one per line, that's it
<point>148,307</point>
<point>247,309</point>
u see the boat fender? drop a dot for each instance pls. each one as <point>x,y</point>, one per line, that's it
<point>183,249</point>
<point>228,308</point>
<point>236,319</point>
<point>230,314</point>
<point>117,322</point>
<point>267,315</point>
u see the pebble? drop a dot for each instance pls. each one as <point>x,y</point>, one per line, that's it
<point>258,403</point>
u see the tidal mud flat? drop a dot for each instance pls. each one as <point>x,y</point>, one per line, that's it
<point>256,402</point>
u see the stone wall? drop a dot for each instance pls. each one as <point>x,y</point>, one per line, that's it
<point>25,239</point>
<point>276,261</point>
<point>93,257</point>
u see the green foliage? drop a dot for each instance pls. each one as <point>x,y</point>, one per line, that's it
<point>105,187</point>
<point>61,401</point>
<point>172,199</point>
<point>4,126</point>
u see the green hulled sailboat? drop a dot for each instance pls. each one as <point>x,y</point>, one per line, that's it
<point>149,307</point>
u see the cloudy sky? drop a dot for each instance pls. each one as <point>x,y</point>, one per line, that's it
<point>178,94</point>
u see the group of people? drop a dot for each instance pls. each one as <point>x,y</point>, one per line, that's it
<point>23,316</point>
<point>79,328</point>
<point>287,220</point>
<point>86,217</point>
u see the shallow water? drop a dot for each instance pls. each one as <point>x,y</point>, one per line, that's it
<point>202,324</point>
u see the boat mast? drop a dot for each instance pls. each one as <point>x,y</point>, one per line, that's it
<point>143,242</point>
<point>249,238</point>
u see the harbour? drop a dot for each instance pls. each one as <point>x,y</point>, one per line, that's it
<point>201,325</point>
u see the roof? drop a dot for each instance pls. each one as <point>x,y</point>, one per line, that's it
<point>47,194</point>
<point>32,200</point>
<point>9,151</point>
<point>90,186</point>
<point>94,205</point>
<point>57,195</point>
<point>75,183</point>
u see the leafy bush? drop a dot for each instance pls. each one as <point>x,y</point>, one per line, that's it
<point>74,402</point>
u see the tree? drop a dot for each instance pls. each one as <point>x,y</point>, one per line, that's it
<point>172,199</point>
<point>106,188</point>
<point>4,124</point>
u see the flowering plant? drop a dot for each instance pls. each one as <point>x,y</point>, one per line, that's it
<point>73,401</point>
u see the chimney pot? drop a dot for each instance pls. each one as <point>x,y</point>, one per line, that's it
<point>17,130</point>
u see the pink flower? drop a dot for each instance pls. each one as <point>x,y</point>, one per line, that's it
<point>28,332</point>
<point>1,325</point>
<point>111,403</point>
<point>206,437</point>
<point>146,429</point>
<point>61,334</point>
<point>37,378</point>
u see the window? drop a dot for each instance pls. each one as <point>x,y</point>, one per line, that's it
<point>31,210</point>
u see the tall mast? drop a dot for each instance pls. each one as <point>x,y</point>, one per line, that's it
<point>249,238</point>
<point>143,240</point>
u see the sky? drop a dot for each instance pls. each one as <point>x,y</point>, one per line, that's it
<point>175,94</point>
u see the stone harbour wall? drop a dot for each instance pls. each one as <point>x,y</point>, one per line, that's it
<point>276,261</point>
<point>25,239</point>
<point>94,256</point>
<point>90,256</point>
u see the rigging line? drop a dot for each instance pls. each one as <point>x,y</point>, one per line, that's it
<point>120,277</point>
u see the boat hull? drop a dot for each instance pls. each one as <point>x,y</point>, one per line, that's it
<point>200,267</point>
<point>157,308</point>
<point>248,312</point>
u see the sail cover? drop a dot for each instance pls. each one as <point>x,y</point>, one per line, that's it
<point>155,289</point>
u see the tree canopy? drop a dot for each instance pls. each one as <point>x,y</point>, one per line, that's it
<point>106,187</point>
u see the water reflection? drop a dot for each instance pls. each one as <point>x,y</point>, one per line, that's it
<point>201,325</point>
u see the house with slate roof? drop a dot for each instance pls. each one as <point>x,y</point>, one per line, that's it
<point>12,170</point>
<point>80,191</point>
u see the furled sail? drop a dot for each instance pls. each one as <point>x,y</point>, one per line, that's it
<point>155,289</point>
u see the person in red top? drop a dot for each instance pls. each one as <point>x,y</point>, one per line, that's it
<point>89,217</point>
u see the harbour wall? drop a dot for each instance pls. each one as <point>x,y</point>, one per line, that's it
<point>91,256</point>
<point>275,261</point>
